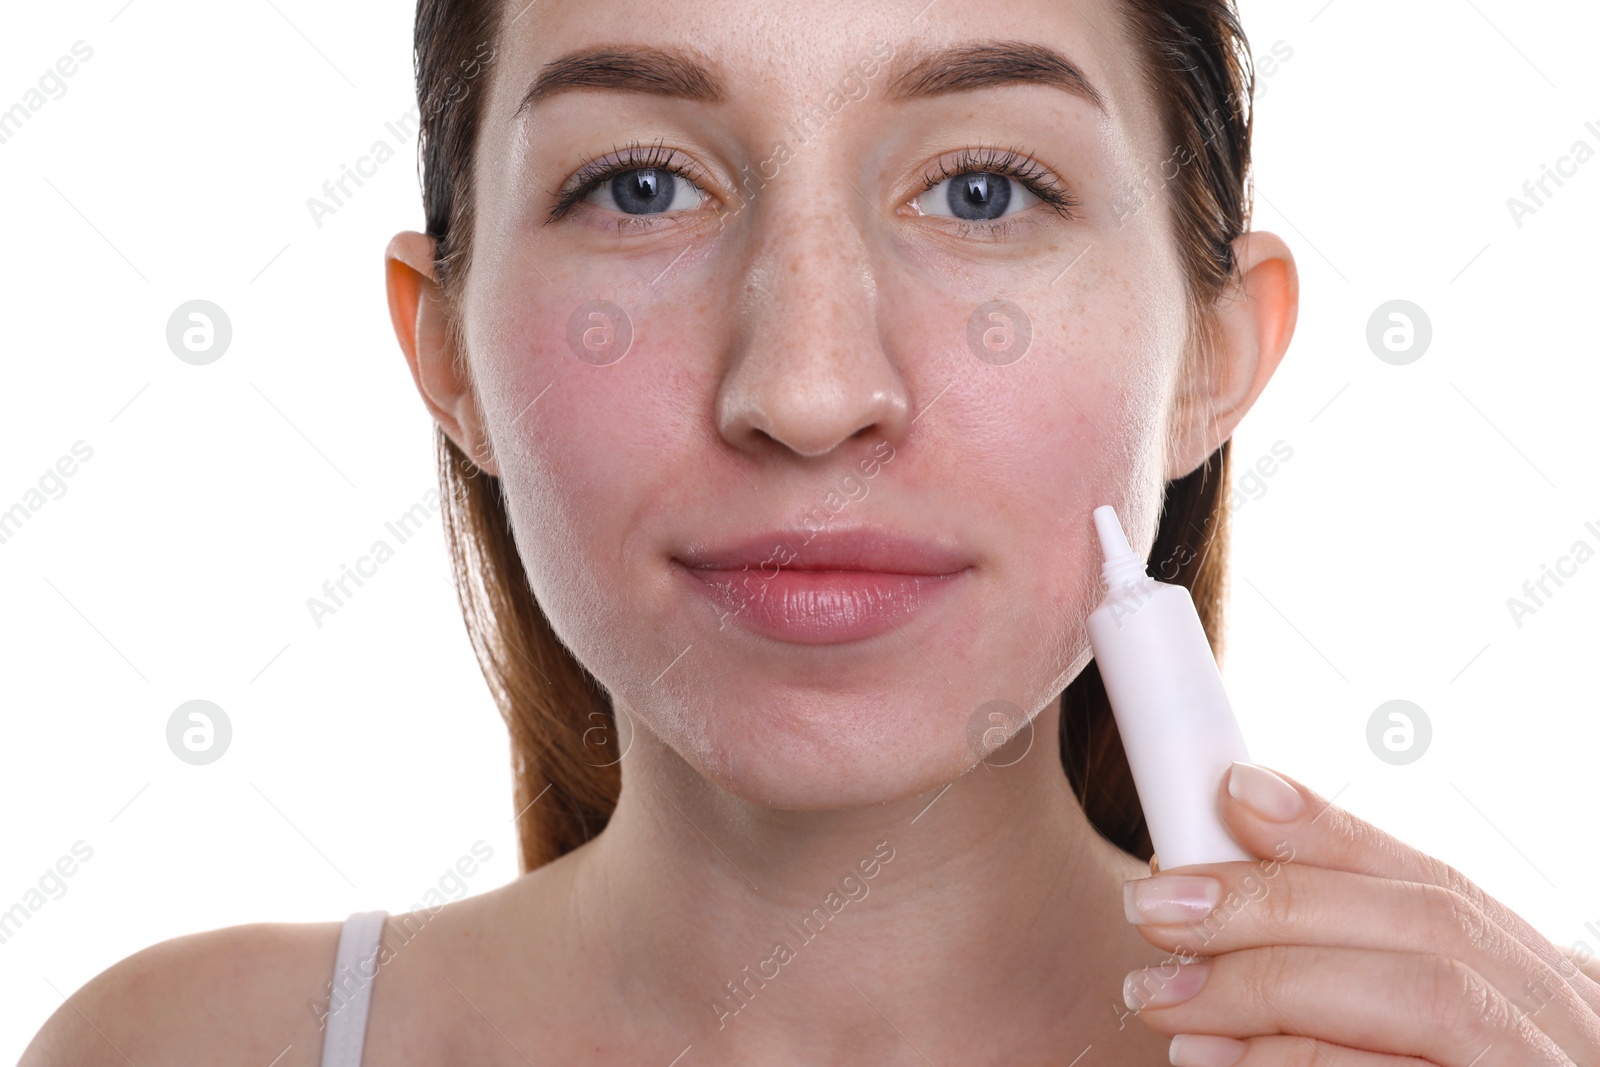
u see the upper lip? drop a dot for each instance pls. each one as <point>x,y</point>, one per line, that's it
<point>860,548</point>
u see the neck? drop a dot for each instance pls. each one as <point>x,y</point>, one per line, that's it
<point>979,916</point>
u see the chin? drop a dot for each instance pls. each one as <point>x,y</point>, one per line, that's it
<point>814,751</point>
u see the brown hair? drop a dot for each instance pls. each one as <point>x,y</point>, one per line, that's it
<point>1196,65</point>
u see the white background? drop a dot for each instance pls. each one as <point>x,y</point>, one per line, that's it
<point>367,757</point>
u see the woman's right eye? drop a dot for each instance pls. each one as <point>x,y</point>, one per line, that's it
<point>645,191</point>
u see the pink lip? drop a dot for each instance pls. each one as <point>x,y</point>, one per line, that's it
<point>859,548</point>
<point>838,586</point>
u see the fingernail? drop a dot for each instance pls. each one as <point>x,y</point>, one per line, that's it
<point>1148,987</point>
<point>1264,793</point>
<point>1170,898</point>
<point>1204,1050</point>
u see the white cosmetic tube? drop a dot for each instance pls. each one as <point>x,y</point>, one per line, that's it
<point>1166,693</point>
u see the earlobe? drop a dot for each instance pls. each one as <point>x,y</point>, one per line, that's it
<point>1254,321</point>
<point>420,315</point>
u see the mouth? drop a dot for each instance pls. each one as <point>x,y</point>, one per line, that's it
<point>828,587</point>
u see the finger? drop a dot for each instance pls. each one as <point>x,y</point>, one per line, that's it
<point>1396,1003</point>
<point>1268,811</point>
<point>1298,904</point>
<point>1207,1050</point>
<point>1583,960</point>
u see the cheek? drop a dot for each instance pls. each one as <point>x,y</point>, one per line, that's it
<point>1035,443</point>
<point>594,454</point>
<point>588,386</point>
<point>589,440</point>
<point>1080,400</point>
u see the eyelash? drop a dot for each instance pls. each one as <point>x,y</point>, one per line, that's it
<point>591,174</point>
<point>1010,162</point>
<point>1013,163</point>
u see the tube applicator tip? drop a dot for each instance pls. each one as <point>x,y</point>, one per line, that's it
<point>1113,542</point>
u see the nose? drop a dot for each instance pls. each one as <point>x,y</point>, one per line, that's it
<point>811,369</point>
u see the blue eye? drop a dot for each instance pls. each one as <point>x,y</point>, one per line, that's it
<point>976,196</point>
<point>982,186</point>
<point>646,191</point>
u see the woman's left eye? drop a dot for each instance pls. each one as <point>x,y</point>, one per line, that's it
<point>646,191</point>
<point>976,196</point>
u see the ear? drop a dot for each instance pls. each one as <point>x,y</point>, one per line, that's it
<point>421,320</point>
<point>1255,319</point>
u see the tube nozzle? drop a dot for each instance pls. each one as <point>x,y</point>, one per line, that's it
<point>1113,542</point>
<point>1121,565</point>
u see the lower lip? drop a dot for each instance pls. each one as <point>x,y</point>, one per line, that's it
<point>817,607</point>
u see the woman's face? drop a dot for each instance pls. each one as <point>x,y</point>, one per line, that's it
<point>795,342</point>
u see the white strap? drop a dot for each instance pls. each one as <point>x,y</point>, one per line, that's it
<point>353,971</point>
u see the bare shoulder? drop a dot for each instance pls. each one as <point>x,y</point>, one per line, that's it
<point>240,994</point>
<point>260,993</point>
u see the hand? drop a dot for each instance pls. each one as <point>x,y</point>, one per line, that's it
<point>1344,947</point>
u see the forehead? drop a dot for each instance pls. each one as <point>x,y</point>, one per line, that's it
<point>775,59</point>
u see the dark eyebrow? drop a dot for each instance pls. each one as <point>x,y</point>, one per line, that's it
<point>919,74</point>
<point>962,68</point>
<point>629,69</point>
